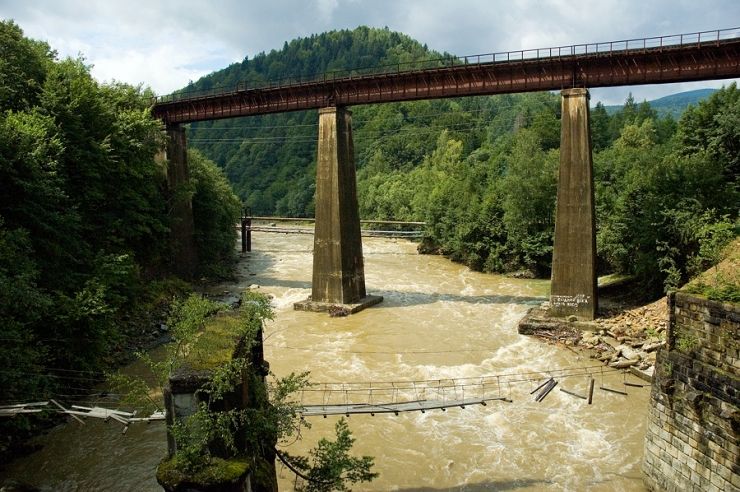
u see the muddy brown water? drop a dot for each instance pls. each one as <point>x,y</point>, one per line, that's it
<point>439,320</point>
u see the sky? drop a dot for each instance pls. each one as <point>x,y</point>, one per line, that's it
<point>164,44</point>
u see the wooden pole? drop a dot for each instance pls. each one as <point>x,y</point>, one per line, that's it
<point>590,390</point>
<point>539,387</point>
<point>546,390</point>
<point>571,393</point>
<point>244,234</point>
<point>249,233</point>
<point>614,391</point>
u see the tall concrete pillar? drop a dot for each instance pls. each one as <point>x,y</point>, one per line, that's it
<point>573,288</point>
<point>182,230</point>
<point>338,268</point>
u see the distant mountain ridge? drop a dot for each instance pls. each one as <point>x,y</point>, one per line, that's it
<point>673,104</point>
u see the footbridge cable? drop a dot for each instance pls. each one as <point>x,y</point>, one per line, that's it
<point>359,397</point>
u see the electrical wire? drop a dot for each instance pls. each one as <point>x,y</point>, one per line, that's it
<point>360,122</point>
<point>389,352</point>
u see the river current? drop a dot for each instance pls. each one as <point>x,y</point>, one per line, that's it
<point>438,321</point>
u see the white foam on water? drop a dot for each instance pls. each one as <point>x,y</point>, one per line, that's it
<point>284,300</point>
<point>589,444</point>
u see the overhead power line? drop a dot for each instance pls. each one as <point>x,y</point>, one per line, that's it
<point>359,122</point>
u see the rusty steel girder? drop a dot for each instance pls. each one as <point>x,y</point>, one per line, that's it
<point>714,60</point>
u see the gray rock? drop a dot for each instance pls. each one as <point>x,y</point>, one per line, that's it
<point>650,347</point>
<point>590,338</point>
<point>628,352</point>
<point>623,364</point>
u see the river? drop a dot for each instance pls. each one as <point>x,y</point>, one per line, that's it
<point>438,320</point>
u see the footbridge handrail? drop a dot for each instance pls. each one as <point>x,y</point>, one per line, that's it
<point>311,219</point>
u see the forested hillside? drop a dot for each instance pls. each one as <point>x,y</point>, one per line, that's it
<point>271,159</point>
<point>85,252</point>
<point>674,104</point>
<point>482,170</point>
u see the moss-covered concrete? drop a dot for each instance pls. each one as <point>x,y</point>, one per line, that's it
<point>217,343</point>
<point>218,475</point>
<point>223,338</point>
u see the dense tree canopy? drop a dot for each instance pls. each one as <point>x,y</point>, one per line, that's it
<point>84,222</point>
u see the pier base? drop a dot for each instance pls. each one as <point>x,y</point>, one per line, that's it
<point>336,308</point>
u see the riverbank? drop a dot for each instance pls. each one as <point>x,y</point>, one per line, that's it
<point>628,331</point>
<point>626,334</point>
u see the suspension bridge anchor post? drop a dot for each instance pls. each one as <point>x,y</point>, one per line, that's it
<point>249,234</point>
<point>246,229</point>
<point>338,265</point>
<point>244,234</point>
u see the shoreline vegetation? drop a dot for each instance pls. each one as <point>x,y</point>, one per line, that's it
<point>86,257</point>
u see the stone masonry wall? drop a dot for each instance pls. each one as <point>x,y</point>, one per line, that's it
<point>694,419</point>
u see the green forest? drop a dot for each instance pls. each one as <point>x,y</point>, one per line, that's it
<point>482,171</point>
<point>85,263</point>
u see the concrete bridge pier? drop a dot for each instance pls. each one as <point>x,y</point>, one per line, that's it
<point>182,229</point>
<point>573,287</point>
<point>338,265</point>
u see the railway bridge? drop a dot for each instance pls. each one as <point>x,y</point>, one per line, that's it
<point>338,269</point>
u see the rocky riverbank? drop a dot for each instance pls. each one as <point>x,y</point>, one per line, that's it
<point>624,335</point>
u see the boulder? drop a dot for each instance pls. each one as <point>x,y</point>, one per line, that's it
<point>628,352</point>
<point>590,338</point>
<point>651,347</point>
<point>623,363</point>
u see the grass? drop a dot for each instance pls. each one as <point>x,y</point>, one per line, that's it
<point>722,281</point>
<point>216,344</point>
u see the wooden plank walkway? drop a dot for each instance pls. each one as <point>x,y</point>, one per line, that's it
<point>405,406</point>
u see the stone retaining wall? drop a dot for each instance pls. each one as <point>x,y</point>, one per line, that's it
<point>691,442</point>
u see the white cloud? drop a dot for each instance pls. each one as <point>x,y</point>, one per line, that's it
<point>326,8</point>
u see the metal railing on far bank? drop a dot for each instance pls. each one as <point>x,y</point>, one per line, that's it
<point>304,225</point>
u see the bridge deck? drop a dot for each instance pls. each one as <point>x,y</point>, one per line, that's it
<point>699,56</point>
<point>394,407</point>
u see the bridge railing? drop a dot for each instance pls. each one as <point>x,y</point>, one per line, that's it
<point>622,46</point>
<point>393,229</point>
